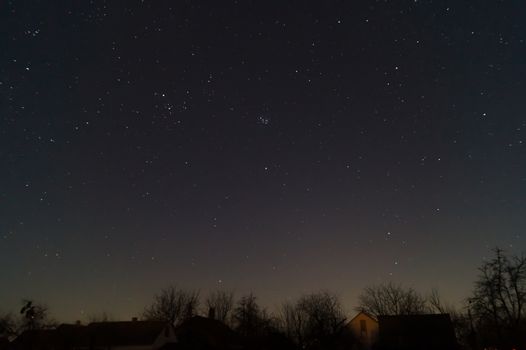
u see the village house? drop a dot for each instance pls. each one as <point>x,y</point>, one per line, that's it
<point>364,329</point>
<point>198,333</point>
<point>416,332</point>
<point>123,335</point>
<point>402,332</point>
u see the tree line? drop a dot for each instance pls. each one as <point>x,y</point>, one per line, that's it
<point>492,316</point>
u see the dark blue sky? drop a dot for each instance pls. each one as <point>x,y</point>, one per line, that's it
<point>261,146</point>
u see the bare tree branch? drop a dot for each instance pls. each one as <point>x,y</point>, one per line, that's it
<point>173,305</point>
<point>222,302</point>
<point>391,299</point>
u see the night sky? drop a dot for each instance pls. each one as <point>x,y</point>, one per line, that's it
<point>279,147</point>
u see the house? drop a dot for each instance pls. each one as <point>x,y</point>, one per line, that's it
<point>124,335</point>
<point>364,329</point>
<point>204,333</point>
<point>129,335</point>
<point>36,339</point>
<point>416,332</point>
<point>70,336</point>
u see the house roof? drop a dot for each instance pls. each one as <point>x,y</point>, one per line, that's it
<point>363,313</point>
<point>212,332</point>
<point>99,333</point>
<point>125,333</point>
<point>69,334</point>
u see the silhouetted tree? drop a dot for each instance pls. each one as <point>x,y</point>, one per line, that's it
<point>293,322</point>
<point>34,315</point>
<point>459,319</point>
<point>222,302</point>
<point>7,326</point>
<point>437,305</point>
<point>391,299</point>
<point>100,317</point>
<point>173,305</point>
<point>249,319</point>
<point>314,321</point>
<point>499,300</point>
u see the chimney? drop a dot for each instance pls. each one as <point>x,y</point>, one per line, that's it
<point>212,313</point>
<point>134,319</point>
